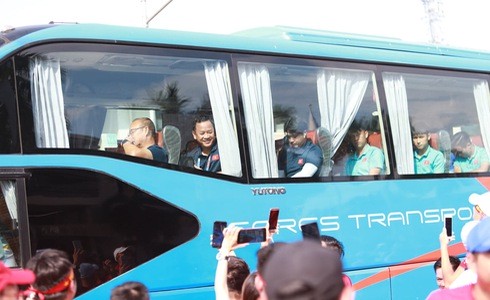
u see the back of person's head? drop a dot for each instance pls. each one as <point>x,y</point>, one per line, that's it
<point>460,139</point>
<point>295,125</point>
<point>238,270</point>
<point>303,270</point>
<point>201,119</point>
<point>130,290</point>
<point>54,274</point>
<point>249,291</point>
<point>453,260</point>
<point>264,253</point>
<point>332,243</point>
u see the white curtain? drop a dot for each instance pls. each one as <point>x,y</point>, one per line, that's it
<point>257,103</point>
<point>8,190</point>
<point>48,104</point>
<point>482,99</point>
<point>218,82</point>
<point>396,97</point>
<point>340,94</point>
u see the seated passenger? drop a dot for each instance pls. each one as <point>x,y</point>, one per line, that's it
<point>366,159</point>
<point>469,157</point>
<point>303,158</point>
<point>426,159</point>
<point>206,154</point>
<point>141,141</point>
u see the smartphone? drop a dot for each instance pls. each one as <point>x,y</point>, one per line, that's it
<point>77,245</point>
<point>273,218</point>
<point>311,231</point>
<point>448,223</point>
<point>251,235</point>
<point>218,228</point>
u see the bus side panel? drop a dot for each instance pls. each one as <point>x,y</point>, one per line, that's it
<point>421,274</point>
<point>379,289</point>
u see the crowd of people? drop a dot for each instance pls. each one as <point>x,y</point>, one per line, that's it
<point>308,269</point>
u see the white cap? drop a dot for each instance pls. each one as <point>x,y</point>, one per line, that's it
<point>483,201</point>
<point>119,250</point>
<point>466,230</point>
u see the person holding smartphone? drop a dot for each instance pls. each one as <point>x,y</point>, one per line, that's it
<point>231,271</point>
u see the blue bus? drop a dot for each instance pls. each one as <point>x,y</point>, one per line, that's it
<point>68,94</point>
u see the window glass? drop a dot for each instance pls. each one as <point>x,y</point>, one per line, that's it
<point>9,234</point>
<point>138,104</point>
<point>9,138</point>
<point>438,122</point>
<point>110,226</point>
<point>298,118</point>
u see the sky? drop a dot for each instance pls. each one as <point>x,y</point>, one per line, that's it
<point>462,24</point>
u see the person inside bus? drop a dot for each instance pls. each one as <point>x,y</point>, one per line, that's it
<point>206,154</point>
<point>469,157</point>
<point>366,159</point>
<point>426,159</point>
<point>141,141</point>
<point>303,158</point>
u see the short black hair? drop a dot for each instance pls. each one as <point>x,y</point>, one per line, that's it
<point>295,125</point>
<point>460,139</point>
<point>200,119</point>
<point>333,244</point>
<point>130,290</point>
<point>455,262</point>
<point>360,124</point>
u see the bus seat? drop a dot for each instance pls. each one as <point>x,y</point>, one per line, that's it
<point>172,143</point>
<point>324,141</point>
<point>374,139</point>
<point>434,141</point>
<point>85,125</point>
<point>312,135</point>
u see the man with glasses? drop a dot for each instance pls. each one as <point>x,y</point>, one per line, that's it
<point>469,157</point>
<point>141,141</point>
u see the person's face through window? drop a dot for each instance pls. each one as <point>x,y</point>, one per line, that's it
<point>421,141</point>
<point>439,278</point>
<point>204,134</point>
<point>136,133</point>
<point>296,139</point>
<point>358,138</point>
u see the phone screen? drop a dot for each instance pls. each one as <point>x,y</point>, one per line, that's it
<point>251,235</point>
<point>77,245</point>
<point>311,231</point>
<point>273,217</point>
<point>449,226</point>
<point>218,227</point>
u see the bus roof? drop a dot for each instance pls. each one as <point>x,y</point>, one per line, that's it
<point>275,40</point>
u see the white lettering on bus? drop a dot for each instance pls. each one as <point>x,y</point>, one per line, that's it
<point>371,220</point>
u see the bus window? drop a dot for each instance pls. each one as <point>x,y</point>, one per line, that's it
<point>327,99</point>
<point>93,96</point>
<point>97,214</point>
<point>9,138</point>
<point>444,104</point>
<point>9,235</point>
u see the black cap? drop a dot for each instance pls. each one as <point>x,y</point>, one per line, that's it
<point>303,270</point>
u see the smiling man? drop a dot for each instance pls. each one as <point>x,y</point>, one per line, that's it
<point>206,154</point>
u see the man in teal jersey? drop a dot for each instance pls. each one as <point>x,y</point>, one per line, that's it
<point>469,157</point>
<point>426,159</point>
<point>366,159</point>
